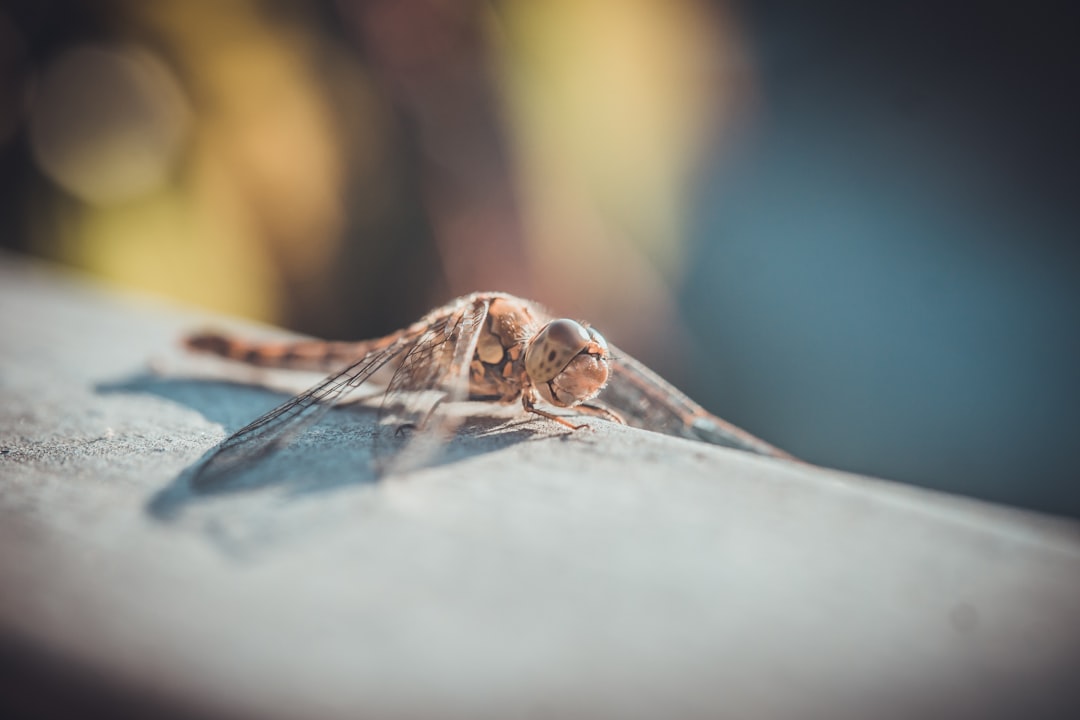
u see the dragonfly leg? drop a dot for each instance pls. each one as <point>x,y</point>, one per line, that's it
<point>530,407</point>
<point>600,412</point>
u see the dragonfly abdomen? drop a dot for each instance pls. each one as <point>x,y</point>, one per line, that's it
<point>314,355</point>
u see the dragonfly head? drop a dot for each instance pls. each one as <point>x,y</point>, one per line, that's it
<point>567,362</point>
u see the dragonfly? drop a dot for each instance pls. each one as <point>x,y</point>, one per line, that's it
<point>489,346</point>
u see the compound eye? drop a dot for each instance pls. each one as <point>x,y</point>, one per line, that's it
<point>567,363</point>
<point>553,348</point>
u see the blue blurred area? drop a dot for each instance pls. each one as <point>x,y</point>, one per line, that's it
<point>886,269</point>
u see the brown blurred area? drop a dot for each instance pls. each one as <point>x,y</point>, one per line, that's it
<point>341,167</point>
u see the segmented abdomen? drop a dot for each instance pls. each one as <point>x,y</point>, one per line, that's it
<point>314,355</point>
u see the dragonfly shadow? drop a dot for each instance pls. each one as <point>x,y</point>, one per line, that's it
<point>228,403</point>
<point>334,454</point>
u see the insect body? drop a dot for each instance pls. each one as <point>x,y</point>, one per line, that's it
<point>491,347</point>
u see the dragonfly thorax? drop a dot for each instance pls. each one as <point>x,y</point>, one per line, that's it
<point>567,362</point>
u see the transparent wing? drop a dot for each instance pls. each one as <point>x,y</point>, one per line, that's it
<point>281,425</point>
<point>645,400</point>
<point>434,371</point>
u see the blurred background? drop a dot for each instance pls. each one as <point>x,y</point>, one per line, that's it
<point>851,228</point>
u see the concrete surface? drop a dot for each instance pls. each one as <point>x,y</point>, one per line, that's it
<point>531,573</point>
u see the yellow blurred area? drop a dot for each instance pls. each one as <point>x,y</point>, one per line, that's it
<point>107,123</point>
<point>267,146</point>
<point>613,102</point>
<point>256,157</point>
<point>255,201</point>
<point>616,97</point>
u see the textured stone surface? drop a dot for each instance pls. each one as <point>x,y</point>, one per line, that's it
<point>530,573</point>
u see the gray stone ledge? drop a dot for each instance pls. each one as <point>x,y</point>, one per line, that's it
<point>530,573</point>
